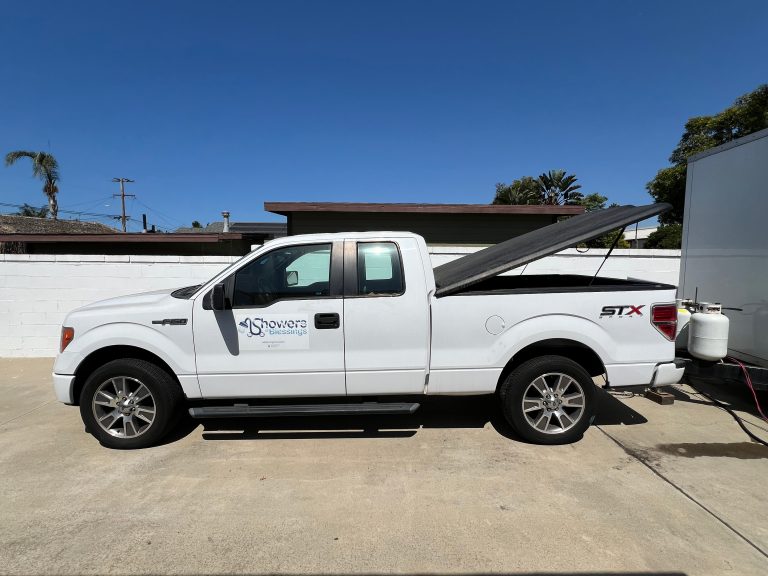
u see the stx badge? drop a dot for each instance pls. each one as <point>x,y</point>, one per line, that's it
<point>626,310</point>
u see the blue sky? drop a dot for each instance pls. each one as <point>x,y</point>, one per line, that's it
<point>223,105</point>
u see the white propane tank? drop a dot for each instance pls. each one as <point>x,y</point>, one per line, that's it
<point>708,332</point>
<point>683,314</point>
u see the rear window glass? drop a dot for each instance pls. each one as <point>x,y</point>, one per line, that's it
<point>379,271</point>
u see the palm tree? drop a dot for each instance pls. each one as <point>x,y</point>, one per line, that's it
<point>557,187</point>
<point>45,167</point>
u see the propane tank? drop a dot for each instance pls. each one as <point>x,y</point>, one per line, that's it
<point>708,332</point>
<point>683,317</point>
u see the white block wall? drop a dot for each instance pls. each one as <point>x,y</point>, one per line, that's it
<point>654,265</point>
<point>37,291</point>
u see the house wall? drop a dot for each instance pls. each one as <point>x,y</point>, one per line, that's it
<point>221,248</point>
<point>37,291</point>
<point>655,265</point>
<point>448,229</point>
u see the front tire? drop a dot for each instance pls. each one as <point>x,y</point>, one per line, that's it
<point>549,400</point>
<point>129,403</point>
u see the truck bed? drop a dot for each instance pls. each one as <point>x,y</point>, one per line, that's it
<point>554,283</point>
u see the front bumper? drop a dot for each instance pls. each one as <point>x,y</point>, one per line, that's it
<point>63,386</point>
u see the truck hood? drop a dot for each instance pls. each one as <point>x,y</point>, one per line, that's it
<point>143,299</point>
<point>473,268</point>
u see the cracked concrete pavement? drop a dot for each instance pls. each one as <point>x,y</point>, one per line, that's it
<point>650,489</point>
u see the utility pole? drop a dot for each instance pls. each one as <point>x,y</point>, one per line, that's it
<point>122,195</point>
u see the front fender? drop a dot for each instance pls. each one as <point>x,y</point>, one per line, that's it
<point>173,344</point>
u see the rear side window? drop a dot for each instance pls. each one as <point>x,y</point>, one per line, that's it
<point>379,270</point>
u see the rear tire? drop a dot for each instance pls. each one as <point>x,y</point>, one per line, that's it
<point>549,400</point>
<point>129,403</point>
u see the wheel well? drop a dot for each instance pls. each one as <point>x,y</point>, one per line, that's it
<point>109,353</point>
<point>576,351</point>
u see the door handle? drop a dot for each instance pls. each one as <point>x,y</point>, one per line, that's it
<point>327,321</point>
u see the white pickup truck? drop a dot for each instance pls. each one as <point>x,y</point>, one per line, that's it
<point>327,321</point>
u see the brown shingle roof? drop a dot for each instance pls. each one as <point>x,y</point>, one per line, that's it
<point>28,225</point>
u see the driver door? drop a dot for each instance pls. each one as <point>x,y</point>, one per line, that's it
<point>283,331</point>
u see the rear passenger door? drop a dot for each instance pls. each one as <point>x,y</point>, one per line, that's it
<point>386,315</point>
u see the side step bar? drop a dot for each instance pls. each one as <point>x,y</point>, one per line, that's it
<point>247,411</point>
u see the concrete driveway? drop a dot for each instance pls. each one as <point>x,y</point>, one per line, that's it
<point>650,489</point>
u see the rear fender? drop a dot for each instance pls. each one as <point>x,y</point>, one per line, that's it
<point>553,327</point>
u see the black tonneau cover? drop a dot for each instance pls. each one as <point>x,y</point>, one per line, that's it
<point>473,268</point>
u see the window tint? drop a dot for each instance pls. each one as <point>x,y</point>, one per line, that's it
<point>378,269</point>
<point>284,273</point>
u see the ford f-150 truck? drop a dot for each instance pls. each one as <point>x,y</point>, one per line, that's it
<point>325,322</point>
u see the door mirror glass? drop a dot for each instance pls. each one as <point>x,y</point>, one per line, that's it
<point>218,297</point>
<point>291,277</point>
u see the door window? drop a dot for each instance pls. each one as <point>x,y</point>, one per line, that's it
<point>379,270</point>
<point>293,272</point>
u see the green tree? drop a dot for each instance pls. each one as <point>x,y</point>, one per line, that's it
<point>748,114</point>
<point>558,187</point>
<point>667,236</point>
<point>593,202</point>
<point>196,224</point>
<point>523,191</point>
<point>46,168</point>
<point>33,211</point>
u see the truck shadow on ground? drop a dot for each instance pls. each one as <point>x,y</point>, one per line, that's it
<point>735,397</point>
<point>435,412</point>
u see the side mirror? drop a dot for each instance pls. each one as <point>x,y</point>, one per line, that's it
<point>291,277</point>
<point>218,297</point>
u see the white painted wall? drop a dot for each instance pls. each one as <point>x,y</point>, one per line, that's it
<point>655,265</point>
<point>37,291</point>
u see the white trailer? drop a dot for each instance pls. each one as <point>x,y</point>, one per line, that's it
<point>725,241</point>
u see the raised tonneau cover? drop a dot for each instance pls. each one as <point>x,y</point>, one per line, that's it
<point>494,260</point>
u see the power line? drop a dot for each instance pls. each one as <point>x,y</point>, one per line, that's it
<point>169,219</point>
<point>80,213</point>
<point>170,222</point>
<point>91,201</point>
<point>94,214</point>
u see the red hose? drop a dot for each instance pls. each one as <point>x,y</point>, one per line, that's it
<point>751,388</point>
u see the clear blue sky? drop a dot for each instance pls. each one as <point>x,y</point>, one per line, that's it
<point>223,105</point>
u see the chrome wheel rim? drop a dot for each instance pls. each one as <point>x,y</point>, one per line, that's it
<point>553,403</point>
<point>124,407</point>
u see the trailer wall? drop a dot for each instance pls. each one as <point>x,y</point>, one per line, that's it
<point>725,239</point>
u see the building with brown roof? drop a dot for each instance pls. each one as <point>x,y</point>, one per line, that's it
<point>439,224</point>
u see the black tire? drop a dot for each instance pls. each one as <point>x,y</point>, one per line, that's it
<point>552,416</point>
<point>164,400</point>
